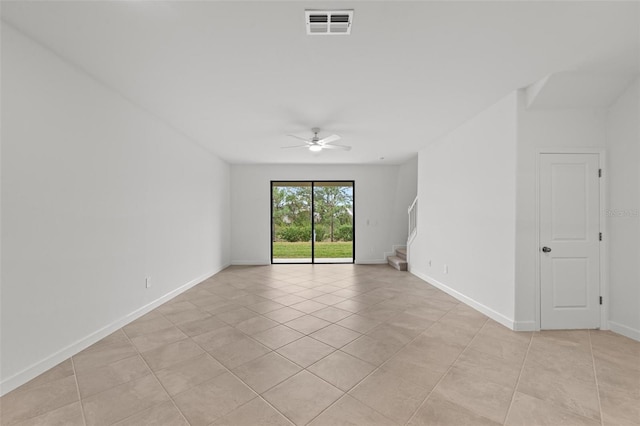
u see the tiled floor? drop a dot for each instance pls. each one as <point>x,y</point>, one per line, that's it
<point>332,345</point>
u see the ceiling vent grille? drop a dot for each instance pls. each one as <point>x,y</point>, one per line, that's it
<point>329,22</point>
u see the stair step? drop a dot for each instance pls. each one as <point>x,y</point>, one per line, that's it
<point>402,253</point>
<point>398,263</point>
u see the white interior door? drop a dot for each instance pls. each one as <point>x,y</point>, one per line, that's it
<point>569,241</point>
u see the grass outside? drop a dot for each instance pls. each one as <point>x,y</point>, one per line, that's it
<point>284,250</point>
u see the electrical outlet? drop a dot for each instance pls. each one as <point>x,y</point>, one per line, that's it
<point>147,282</point>
<point>446,269</point>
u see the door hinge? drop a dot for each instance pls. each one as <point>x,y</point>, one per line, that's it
<point>599,172</point>
<point>601,300</point>
<point>600,236</point>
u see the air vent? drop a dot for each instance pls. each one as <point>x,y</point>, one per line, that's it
<point>329,22</point>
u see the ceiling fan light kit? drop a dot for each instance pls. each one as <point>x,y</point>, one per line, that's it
<point>317,144</point>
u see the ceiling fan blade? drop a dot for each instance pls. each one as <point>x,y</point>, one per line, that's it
<point>328,139</point>
<point>301,138</point>
<point>294,146</point>
<point>341,147</point>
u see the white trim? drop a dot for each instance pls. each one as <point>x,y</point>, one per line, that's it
<point>604,247</point>
<point>250,262</point>
<point>34,370</point>
<point>496,316</point>
<point>525,326</point>
<point>371,261</point>
<point>626,331</point>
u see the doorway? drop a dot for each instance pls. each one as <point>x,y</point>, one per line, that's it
<point>569,252</point>
<point>312,222</point>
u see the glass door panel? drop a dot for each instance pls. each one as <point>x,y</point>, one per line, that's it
<point>333,222</point>
<point>291,222</point>
<point>312,222</point>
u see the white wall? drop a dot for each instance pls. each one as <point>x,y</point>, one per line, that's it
<point>623,222</point>
<point>407,189</point>
<point>466,212</point>
<point>539,130</point>
<point>96,195</point>
<point>377,196</point>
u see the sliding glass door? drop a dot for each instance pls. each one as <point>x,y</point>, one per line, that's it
<point>312,222</point>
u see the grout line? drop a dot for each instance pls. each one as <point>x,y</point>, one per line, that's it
<point>515,388</point>
<point>448,369</point>
<point>75,376</point>
<point>595,377</point>
<point>155,377</point>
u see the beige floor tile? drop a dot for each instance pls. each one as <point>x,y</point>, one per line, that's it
<point>284,315</point>
<point>181,377</point>
<point>615,348</point>
<point>201,326</point>
<point>492,368</point>
<point>140,327</point>
<point>173,353</point>
<point>236,316</point>
<point>614,376</point>
<point>570,393</point>
<point>107,376</point>
<point>425,375</point>
<point>391,333</point>
<point>359,323</point>
<point>348,411</point>
<point>277,337</point>
<point>32,401</point>
<point>122,401</point>
<point>174,306</point>
<point>308,306</point>
<point>305,351</point>
<point>341,370</point>
<point>499,331</point>
<point>484,398</point>
<point>266,306</point>
<point>351,305</point>
<point>289,299</point>
<point>309,293</point>
<point>410,322</point>
<point>218,338</point>
<point>97,356</point>
<point>450,333</point>
<point>329,299</point>
<point>165,413</point>
<point>372,350</point>
<point>335,335</point>
<point>389,394</point>
<point>60,371</point>
<point>254,413</point>
<point>256,325</point>
<point>302,397</point>
<point>437,411</point>
<point>69,415</point>
<point>149,341</point>
<point>502,349</point>
<point>205,403</point>
<point>187,316</point>
<point>239,352</point>
<point>527,410</point>
<point>619,407</point>
<point>331,314</point>
<point>429,313</point>
<point>265,372</point>
<point>307,324</point>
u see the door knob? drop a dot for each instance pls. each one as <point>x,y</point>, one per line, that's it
<point>546,249</point>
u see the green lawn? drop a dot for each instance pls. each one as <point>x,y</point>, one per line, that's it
<point>323,250</point>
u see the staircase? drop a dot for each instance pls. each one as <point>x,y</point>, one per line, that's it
<point>399,261</point>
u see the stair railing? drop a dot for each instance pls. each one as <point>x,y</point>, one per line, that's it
<point>413,220</point>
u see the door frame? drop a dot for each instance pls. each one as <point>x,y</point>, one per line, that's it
<point>313,182</point>
<point>604,245</point>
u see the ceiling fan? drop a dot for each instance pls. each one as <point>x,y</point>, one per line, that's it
<point>316,143</point>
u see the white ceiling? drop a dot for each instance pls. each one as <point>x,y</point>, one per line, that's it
<point>237,77</point>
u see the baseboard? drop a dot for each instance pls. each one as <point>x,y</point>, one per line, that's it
<point>496,316</point>
<point>626,331</point>
<point>250,262</point>
<point>371,261</point>
<point>525,326</point>
<point>29,373</point>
